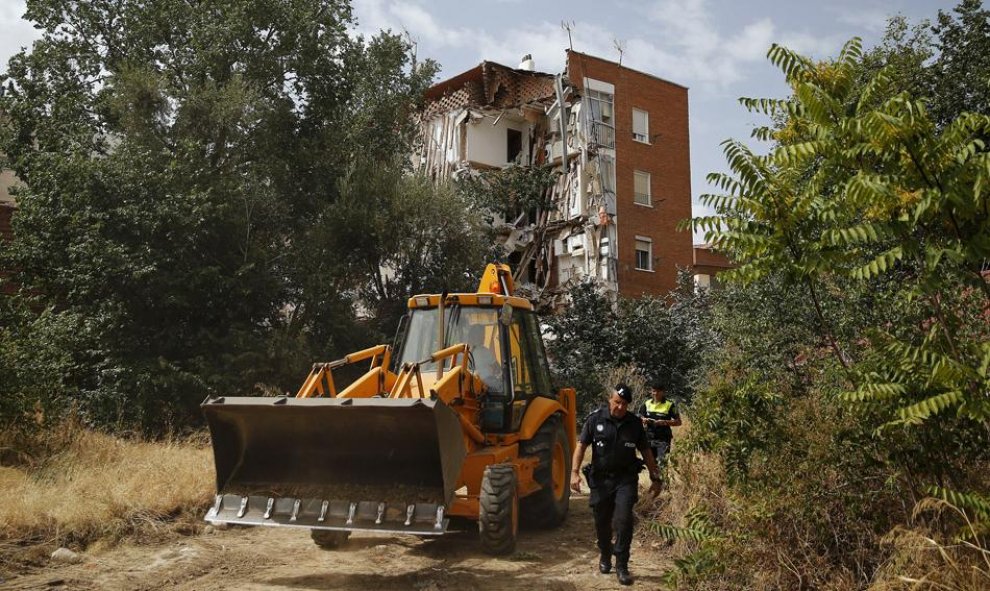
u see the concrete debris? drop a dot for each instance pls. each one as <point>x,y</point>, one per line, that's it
<point>66,556</point>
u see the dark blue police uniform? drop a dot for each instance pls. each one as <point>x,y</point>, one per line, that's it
<point>614,476</point>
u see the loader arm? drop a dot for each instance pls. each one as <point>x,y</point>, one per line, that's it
<point>453,388</point>
<point>320,381</point>
<point>410,384</point>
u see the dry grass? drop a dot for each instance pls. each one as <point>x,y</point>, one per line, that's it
<point>743,548</point>
<point>73,487</point>
<point>776,537</point>
<point>630,376</point>
<point>694,480</point>
<point>923,557</point>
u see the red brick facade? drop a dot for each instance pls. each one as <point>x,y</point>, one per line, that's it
<point>666,158</point>
<point>709,261</point>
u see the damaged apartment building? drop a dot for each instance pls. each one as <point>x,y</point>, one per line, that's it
<point>618,138</point>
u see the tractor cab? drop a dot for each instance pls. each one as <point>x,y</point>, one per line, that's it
<point>505,350</point>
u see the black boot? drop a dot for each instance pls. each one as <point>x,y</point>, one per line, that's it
<point>622,572</point>
<point>605,563</point>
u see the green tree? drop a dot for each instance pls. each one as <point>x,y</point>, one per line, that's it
<point>661,338</point>
<point>945,62</point>
<point>401,234</point>
<point>178,160</point>
<point>959,77</point>
<point>861,186</point>
<point>853,341</point>
<point>507,193</point>
<point>581,342</point>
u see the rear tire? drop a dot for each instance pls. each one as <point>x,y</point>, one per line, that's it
<point>329,539</point>
<point>498,515</point>
<point>548,506</point>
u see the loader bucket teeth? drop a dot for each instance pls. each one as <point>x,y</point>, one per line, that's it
<point>335,463</point>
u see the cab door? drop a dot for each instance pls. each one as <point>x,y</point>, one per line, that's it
<point>528,367</point>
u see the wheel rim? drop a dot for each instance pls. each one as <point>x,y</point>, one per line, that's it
<point>559,470</point>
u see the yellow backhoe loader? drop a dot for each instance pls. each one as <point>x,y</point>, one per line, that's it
<point>464,423</point>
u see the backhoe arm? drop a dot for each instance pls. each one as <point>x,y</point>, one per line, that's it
<point>320,382</point>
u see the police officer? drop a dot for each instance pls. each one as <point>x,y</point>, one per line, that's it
<point>659,415</point>
<point>614,476</point>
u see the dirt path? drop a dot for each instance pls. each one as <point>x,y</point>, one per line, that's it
<point>281,558</point>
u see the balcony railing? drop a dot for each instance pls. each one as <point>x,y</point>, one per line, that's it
<point>601,134</point>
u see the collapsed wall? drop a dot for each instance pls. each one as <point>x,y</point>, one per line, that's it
<point>493,116</point>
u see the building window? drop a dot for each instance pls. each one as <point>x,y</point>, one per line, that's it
<point>600,104</point>
<point>513,145</point>
<point>606,167</point>
<point>601,125</point>
<point>644,254</point>
<point>604,257</point>
<point>641,126</point>
<point>641,188</point>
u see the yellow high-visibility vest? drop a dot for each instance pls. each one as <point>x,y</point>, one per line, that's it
<point>652,406</point>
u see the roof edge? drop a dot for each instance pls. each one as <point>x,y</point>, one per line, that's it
<point>440,88</point>
<point>617,64</point>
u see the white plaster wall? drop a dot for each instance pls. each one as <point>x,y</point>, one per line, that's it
<point>487,143</point>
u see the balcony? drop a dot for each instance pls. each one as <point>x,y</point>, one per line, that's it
<point>601,135</point>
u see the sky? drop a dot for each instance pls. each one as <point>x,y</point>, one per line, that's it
<point>717,48</point>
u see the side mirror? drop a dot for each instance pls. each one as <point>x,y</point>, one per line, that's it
<point>505,316</point>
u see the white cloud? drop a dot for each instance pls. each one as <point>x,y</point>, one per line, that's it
<point>372,16</point>
<point>686,23</point>
<point>15,32</point>
<point>687,47</point>
<point>873,20</point>
<point>422,25</point>
<point>545,41</point>
<point>813,46</point>
<point>705,54</point>
<point>751,44</point>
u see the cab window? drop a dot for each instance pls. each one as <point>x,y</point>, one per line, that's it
<point>530,375</point>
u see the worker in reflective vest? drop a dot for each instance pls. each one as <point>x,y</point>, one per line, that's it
<point>659,415</point>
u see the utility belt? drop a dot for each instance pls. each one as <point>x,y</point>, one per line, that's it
<point>595,476</point>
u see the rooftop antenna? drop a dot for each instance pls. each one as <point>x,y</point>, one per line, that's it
<point>568,26</point>
<point>620,46</point>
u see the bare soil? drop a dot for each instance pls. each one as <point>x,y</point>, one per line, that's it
<point>255,558</point>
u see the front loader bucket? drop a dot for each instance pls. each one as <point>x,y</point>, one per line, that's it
<point>327,463</point>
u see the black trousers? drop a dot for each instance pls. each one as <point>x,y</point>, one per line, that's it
<point>612,503</point>
<point>660,451</point>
